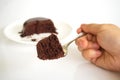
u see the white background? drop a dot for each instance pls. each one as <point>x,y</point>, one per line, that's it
<point>19,61</point>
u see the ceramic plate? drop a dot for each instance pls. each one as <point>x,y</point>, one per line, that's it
<point>13,30</point>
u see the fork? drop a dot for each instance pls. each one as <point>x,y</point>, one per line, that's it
<point>65,46</point>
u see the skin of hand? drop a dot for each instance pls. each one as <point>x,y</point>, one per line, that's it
<point>101,45</point>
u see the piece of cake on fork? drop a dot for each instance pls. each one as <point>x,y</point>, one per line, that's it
<point>49,48</point>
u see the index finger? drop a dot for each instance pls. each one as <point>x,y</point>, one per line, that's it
<point>91,28</point>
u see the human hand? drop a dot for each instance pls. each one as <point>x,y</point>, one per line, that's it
<point>101,45</point>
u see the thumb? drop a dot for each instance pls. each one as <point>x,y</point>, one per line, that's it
<point>91,28</point>
<point>107,61</point>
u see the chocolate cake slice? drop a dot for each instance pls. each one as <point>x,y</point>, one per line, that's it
<point>49,48</point>
<point>37,25</point>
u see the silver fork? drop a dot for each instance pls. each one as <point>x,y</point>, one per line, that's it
<point>65,46</point>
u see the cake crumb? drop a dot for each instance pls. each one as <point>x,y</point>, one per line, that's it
<point>33,40</point>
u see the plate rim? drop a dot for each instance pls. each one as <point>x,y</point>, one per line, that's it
<point>21,22</point>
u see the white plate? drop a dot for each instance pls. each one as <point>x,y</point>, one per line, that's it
<point>12,32</point>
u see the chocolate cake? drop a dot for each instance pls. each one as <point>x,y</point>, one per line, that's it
<point>37,25</point>
<point>49,48</point>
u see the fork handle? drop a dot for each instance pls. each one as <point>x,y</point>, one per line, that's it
<point>79,35</point>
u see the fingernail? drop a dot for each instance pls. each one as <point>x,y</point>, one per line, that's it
<point>95,54</point>
<point>96,46</point>
<point>78,30</point>
<point>92,54</point>
<point>98,53</point>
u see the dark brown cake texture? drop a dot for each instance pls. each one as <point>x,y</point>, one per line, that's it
<point>37,25</point>
<point>49,48</point>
